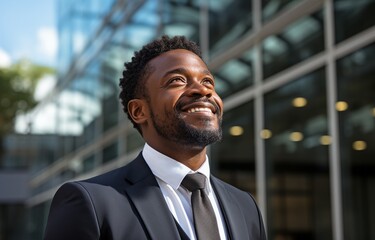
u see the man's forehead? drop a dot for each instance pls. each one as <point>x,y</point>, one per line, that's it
<point>176,57</point>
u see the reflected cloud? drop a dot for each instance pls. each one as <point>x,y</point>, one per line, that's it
<point>47,41</point>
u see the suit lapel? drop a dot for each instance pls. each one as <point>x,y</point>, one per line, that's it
<point>149,201</point>
<point>233,215</point>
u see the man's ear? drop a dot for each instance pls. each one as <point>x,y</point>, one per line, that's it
<point>138,110</point>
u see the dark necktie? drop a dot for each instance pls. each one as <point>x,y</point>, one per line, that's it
<point>204,216</point>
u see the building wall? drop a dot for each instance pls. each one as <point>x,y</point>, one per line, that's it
<point>297,82</point>
<point>24,155</point>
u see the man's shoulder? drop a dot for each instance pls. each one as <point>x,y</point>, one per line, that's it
<point>108,181</point>
<point>100,187</point>
<point>119,175</point>
<point>114,178</point>
<point>109,176</point>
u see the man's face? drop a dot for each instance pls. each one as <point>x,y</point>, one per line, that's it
<point>184,106</point>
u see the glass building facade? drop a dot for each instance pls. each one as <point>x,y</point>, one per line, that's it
<point>298,82</point>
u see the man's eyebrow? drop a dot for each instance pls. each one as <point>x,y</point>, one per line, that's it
<point>185,71</point>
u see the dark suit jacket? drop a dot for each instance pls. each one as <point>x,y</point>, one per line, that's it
<point>127,203</point>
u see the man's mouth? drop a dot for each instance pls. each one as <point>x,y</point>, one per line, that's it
<point>199,109</point>
<point>206,107</point>
<point>203,106</point>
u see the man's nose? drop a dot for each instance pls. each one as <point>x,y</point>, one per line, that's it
<point>199,88</point>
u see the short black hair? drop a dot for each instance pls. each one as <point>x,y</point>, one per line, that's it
<point>132,81</point>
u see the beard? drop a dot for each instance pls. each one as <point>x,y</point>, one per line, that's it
<point>177,130</point>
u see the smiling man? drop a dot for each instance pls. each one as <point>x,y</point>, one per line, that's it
<point>167,192</point>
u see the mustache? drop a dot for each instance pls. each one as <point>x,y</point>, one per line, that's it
<point>199,99</point>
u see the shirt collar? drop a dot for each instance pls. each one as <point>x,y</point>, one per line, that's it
<point>169,170</point>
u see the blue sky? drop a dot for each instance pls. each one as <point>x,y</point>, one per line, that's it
<point>28,30</point>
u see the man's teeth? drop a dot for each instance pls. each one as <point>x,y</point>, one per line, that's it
<point>193,110</point>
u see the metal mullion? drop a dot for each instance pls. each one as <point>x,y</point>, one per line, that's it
<point>355,43</point>
<point>334,154</point>
<point>204,29</point>
<point>121,138</point>
<point>276,81</point>
<point>260,162</point>
<point>271,27</point>
<point>294,72</point>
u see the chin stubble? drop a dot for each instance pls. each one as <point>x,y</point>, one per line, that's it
<point>183,133</point>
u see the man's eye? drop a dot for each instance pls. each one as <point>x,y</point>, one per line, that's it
<point>177,80</point>
<point>208,81</point>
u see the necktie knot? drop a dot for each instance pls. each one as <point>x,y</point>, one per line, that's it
<point>194,182</point>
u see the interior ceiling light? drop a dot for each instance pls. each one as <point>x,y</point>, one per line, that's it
<point>265,133</point>
<point>341,106</point>
<point>325,140</point>
<point>236,131</point>
<point>359,145</point>
<point>296,136</point>
<point>299,102</point>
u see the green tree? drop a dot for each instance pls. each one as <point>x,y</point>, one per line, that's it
<point>17,86</point>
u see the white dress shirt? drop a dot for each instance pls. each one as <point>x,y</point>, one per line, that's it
<point>169,174</point>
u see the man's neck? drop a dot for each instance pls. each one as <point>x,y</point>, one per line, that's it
<point>192,157</point>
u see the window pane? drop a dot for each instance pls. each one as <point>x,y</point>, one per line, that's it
<point>296,143</point>
<point>235,75</point>
<point>352,17</point>
<point>37,219</point>
<point>229,20</point>
<point>181,18</point>
<point>233,158</point>
<point>110,108</point>
<point>134,140</point>
<point>77,23</point>
<point>356,106</point>
<point>270,8</point>
<point>299,41</point>
<point>89,164</point>
<point>110,152</point>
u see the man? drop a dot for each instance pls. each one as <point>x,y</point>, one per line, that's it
<point>169,95</point>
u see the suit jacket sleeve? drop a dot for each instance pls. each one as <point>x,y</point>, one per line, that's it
<point>72,215</point>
